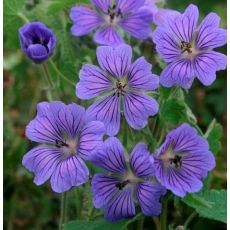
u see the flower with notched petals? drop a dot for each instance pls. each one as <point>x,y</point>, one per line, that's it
<point>67,139</point>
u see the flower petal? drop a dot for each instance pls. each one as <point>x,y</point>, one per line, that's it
<point>42,161</point>
<point>140,161</point>
<point>129,5</point>
<point>166,45</point>
<point>148,195</point>
<point>69,118</point>
<point>140,76</point>
<point>85,20</point>
<point>137,108</point>
<point>207,63</point>
<point>111,157</point>
<point>91,138</point>
<point>43,128</point>
<point>106,110</point>
<point>103,188</point>
<point>209,35</point>
<point>121,205</point>
<point>68,173</point>
<point>37,52</point>
<point>137,24</point>
<point>108,36</point>
<point>182,26</point>
<point>116,61</point>
<point>102,5</point>
<point>93,82</point>
<point>179,72</point>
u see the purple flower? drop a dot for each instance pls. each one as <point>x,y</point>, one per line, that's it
<point>66,140</point>
<point>124,84</point>
<point>188,49</point>
<point>183,161</point>
<point>115,192</point>
<point>108,17</point>
<point>37,41</point>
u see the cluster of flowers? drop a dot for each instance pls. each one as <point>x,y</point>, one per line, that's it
<point>70,135</point>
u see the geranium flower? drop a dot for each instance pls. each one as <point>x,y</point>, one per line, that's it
<point>123,85</point>
<point>108,17</point>
<point>126,183</point>
<point>66,140</point>
<point>188,49</point>
<point>183,161</point>
<point>37,41</point>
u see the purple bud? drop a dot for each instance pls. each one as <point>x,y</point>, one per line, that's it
<point>37,41</point>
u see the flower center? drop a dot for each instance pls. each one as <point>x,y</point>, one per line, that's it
<point>186,47</point>
<point>119,88</point>
<point>122,184</point>
<point>171,159</point>
<point>69,147</point>
<point>114,13</point>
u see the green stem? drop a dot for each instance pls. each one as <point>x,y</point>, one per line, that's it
<point>140,224</point>
<point>60,73</point>
<point>47,75</point>
<point>163,217</point>
<point>189,219</point>
<point>23,17</point>
<point>63,210</point>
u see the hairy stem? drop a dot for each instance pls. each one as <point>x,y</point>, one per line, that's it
<point>189,219</point>
<point>163,217</point>
<point>63,210</point>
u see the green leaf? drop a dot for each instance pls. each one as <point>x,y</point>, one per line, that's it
<point>59,5</point>
<point>211,204</point>
<point>213,135</point>
<point>100,224</point>
<point>11,21</point>
<point>173,111</point>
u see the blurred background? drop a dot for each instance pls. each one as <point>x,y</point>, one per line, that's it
<point>27,206</point>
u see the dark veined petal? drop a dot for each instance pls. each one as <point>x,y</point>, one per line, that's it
<point>148,195</point>
<point>180,72</point>
<point>91,138</point>
<point>37,52</point>
<point>106,110</point>
<point>182,26</point>
<point>103,188</point>
<point>209,35</point>
<point>137,24</point>
<point>111,157</point>
<point>69,118</point>
<point>69,173</point>
<point>207,63</point>
<point>116,61</point>
<point>93,82</point>
<point>42,161</point>
<point>121,205</point>
<point>129,5</point>
<point>137,108</point>
<point>140,76</point>
<point>108,36</point>
<point>166,44</point>
<point>43,128</point>
<point>140,161</point>
<point>102,5</point>
<point>85,20</point>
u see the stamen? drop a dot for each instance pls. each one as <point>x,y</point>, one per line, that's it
<point>60,144</point>
<point>121,185</point>
<point>119,89</point>
<point>112,12</point>
<point>186,46</point>
<point>176,161</point>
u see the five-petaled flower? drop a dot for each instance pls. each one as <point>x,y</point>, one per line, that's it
<point>126,183</point>
<point>125,84</point>
<point>109,17</point>
<point>37,41</point>
<point>183,161</point>
<point>66,138</point>
<point>188,49</point>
